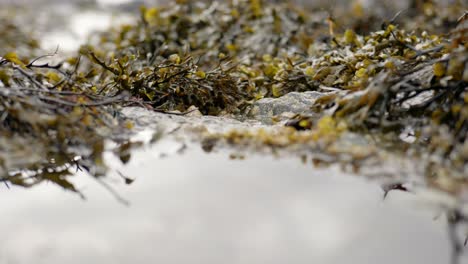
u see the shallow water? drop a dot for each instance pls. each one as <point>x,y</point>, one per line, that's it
<point>205,208</point>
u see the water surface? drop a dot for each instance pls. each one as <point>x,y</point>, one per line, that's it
<point>206,208</point>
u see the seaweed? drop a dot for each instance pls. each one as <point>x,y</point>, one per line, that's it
<point>217,57</point>
<point>425,92</point>
<point>50,124</point>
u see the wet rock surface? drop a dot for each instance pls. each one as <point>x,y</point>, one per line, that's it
<point>285,106</point>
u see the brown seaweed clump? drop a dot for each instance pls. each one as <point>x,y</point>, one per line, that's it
<point>217,57</point>
<point>417,84</point>
<point>50,124</point>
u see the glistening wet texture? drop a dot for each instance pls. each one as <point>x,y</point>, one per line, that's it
<point>206,208</point>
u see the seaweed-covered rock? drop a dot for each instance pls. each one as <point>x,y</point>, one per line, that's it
<point>335,75</point>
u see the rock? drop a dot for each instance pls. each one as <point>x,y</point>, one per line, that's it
<point>193,111</point>
<point>292,103</point>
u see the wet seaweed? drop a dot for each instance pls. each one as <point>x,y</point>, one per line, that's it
<point>49,126</point>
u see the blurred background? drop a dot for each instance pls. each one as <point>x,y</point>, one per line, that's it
<point>67,24</point>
